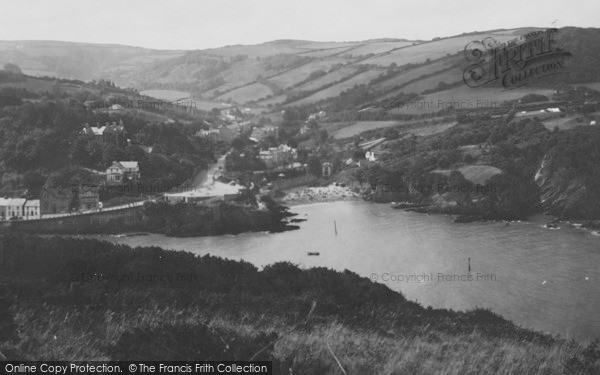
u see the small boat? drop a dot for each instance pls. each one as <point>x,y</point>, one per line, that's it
<point>313,253</point>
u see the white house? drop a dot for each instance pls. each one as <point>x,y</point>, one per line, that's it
<point>31,209</point>
<point>370,156</point>
<point>123,172</point>
<point>11,207</point>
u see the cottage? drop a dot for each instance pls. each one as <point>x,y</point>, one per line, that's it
<point>31,209</point>
<point>12,208</point>
<point>121,172</point>
<point>278,156</point>
<point>89,198</point>
<point>261,132</point>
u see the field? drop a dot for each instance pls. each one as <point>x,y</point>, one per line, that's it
<point>430,50</point>
<point>335,90</point>
<point>170,95</point>
<point>293,76</point>
<point>465,97</point>
<point>414,73</point>
<point>348,130</point>
<point>327,79</point>
<point>567,122</point>
<point>247,93</point>
<point>377,48</point>
<point>325,52</point>
<point>449,76</point>
<point>477,174</point>
<point>362,126</point>
<point>239,74</point>
<point>40,86</point>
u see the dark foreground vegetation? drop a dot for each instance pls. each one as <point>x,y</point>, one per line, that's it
<point>71,299</point>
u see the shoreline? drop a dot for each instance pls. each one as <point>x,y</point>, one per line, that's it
<point>305,195</point>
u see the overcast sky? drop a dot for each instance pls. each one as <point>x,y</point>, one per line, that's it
<point>199,24</point>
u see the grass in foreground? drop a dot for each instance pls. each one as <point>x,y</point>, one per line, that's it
<point>306,321</point>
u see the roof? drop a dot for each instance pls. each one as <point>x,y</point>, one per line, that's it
<point>12,201</point>
<point>126,164</point>
<point>32,203</point>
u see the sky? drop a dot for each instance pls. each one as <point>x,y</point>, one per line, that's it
<point>201,24</point>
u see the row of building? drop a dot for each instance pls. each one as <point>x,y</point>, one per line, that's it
<point>19,208</point>
<point>108,133</point>
<point>228,133</point>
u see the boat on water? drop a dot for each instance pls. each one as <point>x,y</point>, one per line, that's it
<point>313,253</point>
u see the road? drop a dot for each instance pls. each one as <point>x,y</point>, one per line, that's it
<point>208,177</point>
<point>201,180</point>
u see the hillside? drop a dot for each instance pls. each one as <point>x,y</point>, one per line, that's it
<point>90,300</point>
<point>41,122</point>
<point>293,72</point>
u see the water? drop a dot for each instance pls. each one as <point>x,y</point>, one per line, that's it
<point>544,279</point>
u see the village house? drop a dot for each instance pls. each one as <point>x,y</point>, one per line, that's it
<point>316,116</point>
<point>56,200</point>
<point>304,129</point>
<point>109,133</point>
<point>89,198</point>
<point>121,172</point>
<point>31,209</point>
<point>370,156</point>
<point>12,208</point>
<point>261,132</point>
<point>279,156</point>
<point>211,134</point>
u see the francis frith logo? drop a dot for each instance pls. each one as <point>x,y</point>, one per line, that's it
<point>516,62</point>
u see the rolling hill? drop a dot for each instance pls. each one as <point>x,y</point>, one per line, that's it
<point>295,72</point>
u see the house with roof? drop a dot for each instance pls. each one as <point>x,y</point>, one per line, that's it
<point>261,132</point>
<point>109,133</point>
<point>122,172</point>
<point>12,208</point>
<point>278,156</point>
<point>31,209</point>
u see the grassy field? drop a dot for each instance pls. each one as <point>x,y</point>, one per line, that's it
<point>431,50</point>
<point>247,93</point>
<point>412,74</point>
<point>335,90</point>
<point>327,79</point>
<point>326,52</point>
<point>341,130</point>
<point>170,95</point>
<point>377,48</point>
<point>293,76</point>
<point>467,97</point>
<point>477,174</point>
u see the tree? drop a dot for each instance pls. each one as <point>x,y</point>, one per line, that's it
<point>12,68</point>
